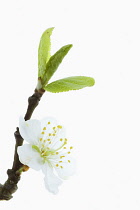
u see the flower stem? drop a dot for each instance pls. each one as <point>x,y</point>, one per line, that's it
<point>10,186</point>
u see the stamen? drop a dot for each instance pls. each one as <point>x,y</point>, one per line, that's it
<point>71,147</point>
<point>48,139</point>
<point>65,147</point>
<point>56,165</point>
<point>59,126</point>
<point>68,152</point>
<point>49,123</point>
<point>61,146</point>
<point>40,139</point>
<point>69,161</point>
<point>57,153</point>
<point>43,132</point>
<point>61,166</point>
<point>62,156</point>
<point>61,139</point>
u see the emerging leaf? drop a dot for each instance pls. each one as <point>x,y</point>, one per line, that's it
<point>70,83</point>
<point>54,62</point>
<point>44,51</point>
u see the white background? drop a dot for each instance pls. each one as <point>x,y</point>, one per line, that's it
<point>102,122</point>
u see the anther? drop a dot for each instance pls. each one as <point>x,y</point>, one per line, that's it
<point>66,140</point>
<point>62,156</point>
<point>49,123</point>
<point>59,126</point>
<point>44,128</point>
<point>56,165</point>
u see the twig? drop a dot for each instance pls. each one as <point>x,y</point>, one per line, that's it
<point>14,174</point>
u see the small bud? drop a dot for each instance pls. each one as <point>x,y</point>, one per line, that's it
<point>25,168</point>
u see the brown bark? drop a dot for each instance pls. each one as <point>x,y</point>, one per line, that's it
<point>10,186</point>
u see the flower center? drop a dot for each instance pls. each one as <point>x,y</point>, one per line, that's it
<point>50,147</point>
<point>45,151</point>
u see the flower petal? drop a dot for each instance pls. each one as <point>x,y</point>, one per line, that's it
<point>52,182</point>
<point>67,168</point>
<point>52,132</point>
<point>47,125</point>
<point>29,157</point>
<point>30,130</point>
<point>59,140</point>
<point>49,122</point>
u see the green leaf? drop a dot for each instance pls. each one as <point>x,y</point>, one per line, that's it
<point>44,51</point>
<point>54,62</point>
<point>70,83</point>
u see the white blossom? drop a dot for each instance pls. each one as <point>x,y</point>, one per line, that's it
<point>46,149</point>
